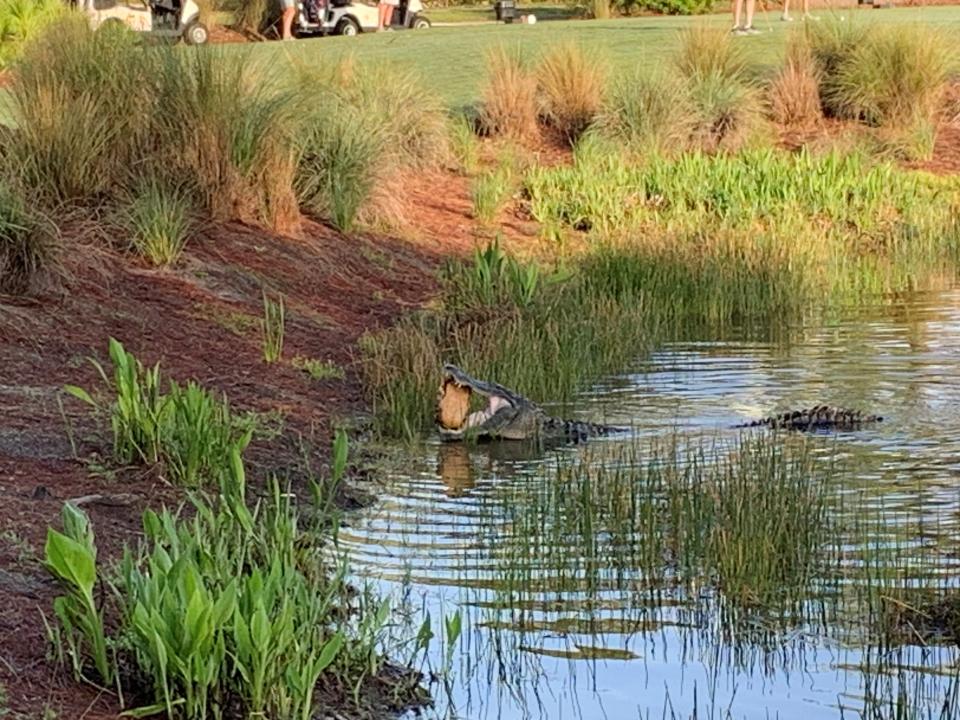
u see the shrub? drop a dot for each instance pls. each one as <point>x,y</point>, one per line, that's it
<point>25,242</point>
<point>651,111</point>
<point>509,101</point>
<point>571,89</point>
<point>794,95</point>
<point>158,219</point>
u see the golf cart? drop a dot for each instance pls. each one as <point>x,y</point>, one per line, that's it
<point>349,17</point>
<point>162,18</point>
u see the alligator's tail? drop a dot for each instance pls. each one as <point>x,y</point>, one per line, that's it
<point>577,430</point>
<point>816,418</point>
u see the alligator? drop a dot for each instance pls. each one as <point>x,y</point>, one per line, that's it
<point>818,417</point>
<point>507,416</point>
<point>510,416</point>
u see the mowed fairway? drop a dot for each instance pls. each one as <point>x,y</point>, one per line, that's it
<point>451,59</point>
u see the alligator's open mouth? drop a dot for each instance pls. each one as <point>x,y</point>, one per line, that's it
<point>453,403</point>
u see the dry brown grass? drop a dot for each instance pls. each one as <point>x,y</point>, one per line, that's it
<point>509,101</point>
<point>794,94</point>
<point>571,90</point>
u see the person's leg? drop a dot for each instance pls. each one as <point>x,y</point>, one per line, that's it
<point>786,10</point>
<point>382,10</point>
<point>751,6</point>
<point>286,20</point>
<point>737,10</point>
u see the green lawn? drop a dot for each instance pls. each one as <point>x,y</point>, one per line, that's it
<point>485,13</point>
<point>451,58</point>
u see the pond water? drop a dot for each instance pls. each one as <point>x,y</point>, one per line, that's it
<point>589,638</point>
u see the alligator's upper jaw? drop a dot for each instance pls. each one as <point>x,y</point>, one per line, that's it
<point>453,404</point>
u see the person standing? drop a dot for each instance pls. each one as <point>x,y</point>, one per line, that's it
<point>385,9</point>
<point>738,7</point>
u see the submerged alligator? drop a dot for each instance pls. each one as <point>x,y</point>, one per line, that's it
<point>510,416</point>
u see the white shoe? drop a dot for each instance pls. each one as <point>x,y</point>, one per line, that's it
<point>786,18</point>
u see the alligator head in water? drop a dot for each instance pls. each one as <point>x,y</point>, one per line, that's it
<point>819,417</point>
<point>507,416</point>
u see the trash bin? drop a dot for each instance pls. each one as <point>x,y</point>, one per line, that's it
<point>506,10</point>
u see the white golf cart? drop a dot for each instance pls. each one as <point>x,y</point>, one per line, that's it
<point>163,18</point>
<point>348,17</point>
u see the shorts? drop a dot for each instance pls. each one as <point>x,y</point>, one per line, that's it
<point>286,4</point>
<point>391,3</point>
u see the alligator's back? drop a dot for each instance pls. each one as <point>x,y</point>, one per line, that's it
<point>576,430</point>
<point>819,417</point>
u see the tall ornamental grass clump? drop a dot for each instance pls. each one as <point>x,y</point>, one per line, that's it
<point>794,93</point>
<point>650,111</point>
<point>725,103</point>
<point>82,111</point>
<point>508,105</point>
<point>364,129</point>
<point>892,79</point>
<point>570,87</point>
<point>223,610</point>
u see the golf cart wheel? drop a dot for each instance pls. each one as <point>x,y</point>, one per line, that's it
<point>420,23</point>
<point>196,34</point>
<point>348,27</point>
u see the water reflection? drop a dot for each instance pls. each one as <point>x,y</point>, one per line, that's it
<point>563,618</point>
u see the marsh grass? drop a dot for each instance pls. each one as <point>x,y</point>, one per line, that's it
<point>571,90</point>
<point>746,517</point>
<point>508,106</point>
<point>159,221</point>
